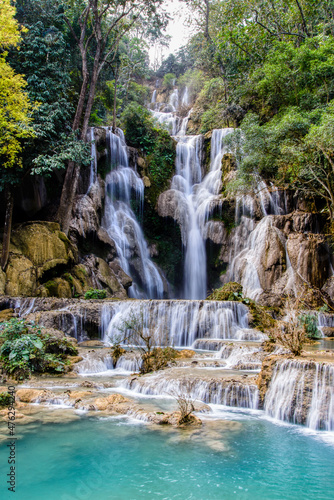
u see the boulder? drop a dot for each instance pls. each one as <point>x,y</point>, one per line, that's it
<point>309,257</point>
<point>2,282</point>
<point>43,244</point>
<point>21,276</point>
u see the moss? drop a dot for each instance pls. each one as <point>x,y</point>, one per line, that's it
<point>51,287</point>
<point>259,318</point>
<point>231,291</point>
<point>5,399</point>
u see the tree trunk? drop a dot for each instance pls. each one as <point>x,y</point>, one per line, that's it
<point>7,228</point>
<point>67,196</point>
<point>115,104</point>
<point>89,105</point>
<point>207,17</point>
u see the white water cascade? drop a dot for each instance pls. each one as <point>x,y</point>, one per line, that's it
<point>214,391</point>
<point>196,197</point>
<point>302,392</point>
<point>247,259</point>
<point>122,226</point>
<point>180,322</point>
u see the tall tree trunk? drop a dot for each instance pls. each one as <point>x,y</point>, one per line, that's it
<point>207,17</point>
<point>67,196</point>
<point>115,103</point>
<point>73,171</point>
<point>7,228</point>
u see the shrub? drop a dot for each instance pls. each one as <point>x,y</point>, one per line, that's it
<point>169,80</point>
<point>94,293</point>
<point>25,350</point>
<point>310,324</point>
<point>154,142</point>
<point>5,399</point>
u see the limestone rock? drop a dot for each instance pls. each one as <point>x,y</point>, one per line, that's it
<point>6,315</point>
<point>309,257</point>
<point>21,276</point>
<point>2,282</point>
<point>328,288</point>
<point>85,219</point>
<point>59,287</point>
<point>43,244</point>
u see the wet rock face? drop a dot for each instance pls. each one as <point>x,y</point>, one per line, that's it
<point>36,248</point>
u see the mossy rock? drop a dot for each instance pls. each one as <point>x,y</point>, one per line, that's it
<point>59,288</point>
<point>6,315</point>
<point>259,316</point>
<point>43,244</point>
<point>2,282</point>
<point>20,276</point>
<point>230,291</point>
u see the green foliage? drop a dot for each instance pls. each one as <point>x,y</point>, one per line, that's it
<point>169,80</point>
<point>142,133</point>
<point>230,291</point>
<point>260,316</point>
<point>5,399</point>
<point>310,324</point>
<point>93,293</point>
<point>25,350</point>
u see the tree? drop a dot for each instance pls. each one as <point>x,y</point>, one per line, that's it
<point>97,27</point>
<point>149,339</point>
<point>15,119</point>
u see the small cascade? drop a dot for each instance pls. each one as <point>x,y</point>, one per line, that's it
<point>120,222</point>
<point>129,363</point>
<point>24,306</point>
<point>241,357</point>
<point>251,240</point>
<point>174,100</point>
<point>220,391</point>
<point>93,163</point>
<point>185,98</point>
<point>94,363</point>
<point>325,321</point>
<point>181,322</point>
<point>302,392</point>
<point>154,97</point>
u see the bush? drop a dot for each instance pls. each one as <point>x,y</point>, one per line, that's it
<point>155,143</point>
<point>310,324</point>
<point>94,293</point>
<point>230,291</point>
<point>5,399</point>
<point>169,80</point>
<point>25,350</point>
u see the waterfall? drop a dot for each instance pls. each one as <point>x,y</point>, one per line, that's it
<point>302,392</point>
<point>174,100</point>
<point>93,163</point>
<point>122,226</point>
<point>196,199</point>
<point>185,98</point>
<point>180,322</point>
<point>248,255</point>
<point>220,391</point>
<point>154,97</point>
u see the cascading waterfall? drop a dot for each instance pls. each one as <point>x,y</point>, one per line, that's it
<point>251,238</point>
<point>302,392</point>
<point>196,197</point>
<point>185,98</point>
<point>181,322</point>
<point>122,226</point>
<point>222,392</point>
